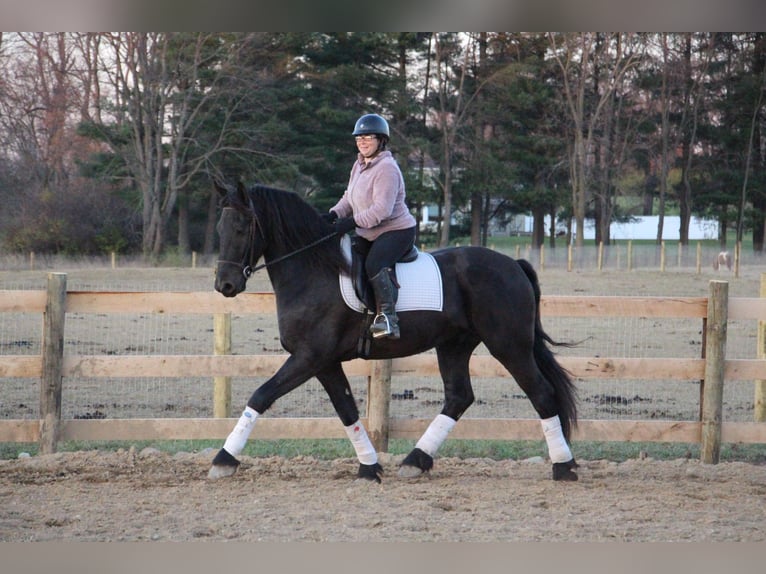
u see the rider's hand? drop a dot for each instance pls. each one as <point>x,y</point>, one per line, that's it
<point>344,225</point>
<point>329,217</point>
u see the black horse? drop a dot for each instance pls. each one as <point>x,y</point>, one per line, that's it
<point>488,298</point>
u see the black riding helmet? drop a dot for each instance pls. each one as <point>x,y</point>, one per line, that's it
<point>372,124</point>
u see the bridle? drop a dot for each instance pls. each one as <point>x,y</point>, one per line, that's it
<point>248,260</point>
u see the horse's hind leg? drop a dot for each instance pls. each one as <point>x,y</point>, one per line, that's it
<point>542,395</point>
<point>453,360</point>
<point>336,385</point>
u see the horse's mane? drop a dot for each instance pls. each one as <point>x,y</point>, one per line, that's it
<point>291,222</point>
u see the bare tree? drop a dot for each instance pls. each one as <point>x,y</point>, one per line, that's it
<point>162,85</point>
<point>55,208</point>
<point>447,122</point>
<point>48,95</point>
<point>575,55</point>
<point>692,100</point>
<point>665,136</point>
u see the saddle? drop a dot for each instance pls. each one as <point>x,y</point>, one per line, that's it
<point>419,281</point>
<point>362,288</point>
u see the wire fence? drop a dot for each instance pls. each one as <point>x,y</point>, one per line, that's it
<point>622,255</point>
<point>164,334</point>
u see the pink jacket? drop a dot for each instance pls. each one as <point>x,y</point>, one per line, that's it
<point>375,197</point>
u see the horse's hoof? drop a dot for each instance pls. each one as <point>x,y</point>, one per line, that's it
<point>562,471</point>
<point>370,472</point>
<point>224,464</point>
<point>415,464</point>
<point>218,471</point>
<point>407,471</point>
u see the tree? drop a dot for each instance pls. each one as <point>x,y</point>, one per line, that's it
<point>527,144</point>
<point>730,171</point>
<point>50,207</point>
<point>340,76</point>
<point>757,145</point>
<point>450,107</point>
<point>584,58</point>
<point>490,121</point>
<point>668,141</point>
<point>693,96</point>
<point>173,99</point>
<point>617,130</point>
<point>461,74</point>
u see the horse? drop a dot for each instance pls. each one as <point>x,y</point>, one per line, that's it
<point>723,259</point>
<point>488,298</point>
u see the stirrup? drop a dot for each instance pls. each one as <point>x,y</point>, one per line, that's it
<point>381,327</point>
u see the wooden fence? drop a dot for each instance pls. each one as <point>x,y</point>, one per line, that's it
<point>52,365</point>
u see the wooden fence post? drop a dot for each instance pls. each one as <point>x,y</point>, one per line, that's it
<point>600,255</point>
<point>222,346</point>
<point>52,367</point>
<point>759,414</point>
<point>715,358</point>
<point>379,403</point>
<point>699,258</point>
<point>630,255</point>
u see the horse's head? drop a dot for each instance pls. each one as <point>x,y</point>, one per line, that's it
<point>241,240</point>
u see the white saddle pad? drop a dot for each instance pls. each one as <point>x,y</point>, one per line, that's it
<point>420,284</point>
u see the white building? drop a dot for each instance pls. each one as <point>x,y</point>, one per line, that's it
<point>644,227</point>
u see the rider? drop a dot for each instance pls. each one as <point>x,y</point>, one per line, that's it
<point>374,205</point>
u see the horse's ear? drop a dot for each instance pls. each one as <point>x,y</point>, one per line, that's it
<point>242,193</point>
<point>219,187</point>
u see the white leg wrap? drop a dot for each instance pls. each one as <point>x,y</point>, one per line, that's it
<point>235,443</point>
<point>365,452</point>
<point>558,449</point>
<point>435,434</point>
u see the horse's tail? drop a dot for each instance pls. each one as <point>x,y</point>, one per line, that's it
<point>566,394</point>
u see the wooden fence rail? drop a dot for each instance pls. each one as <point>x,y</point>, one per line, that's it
<point>53,365</point>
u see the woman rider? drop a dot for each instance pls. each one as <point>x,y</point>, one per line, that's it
<point>374,205</point>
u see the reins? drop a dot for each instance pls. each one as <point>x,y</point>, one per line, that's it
<point>247,261</point>
<point>288,255</point>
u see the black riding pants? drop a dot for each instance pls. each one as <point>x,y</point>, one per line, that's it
<point>387,249</point>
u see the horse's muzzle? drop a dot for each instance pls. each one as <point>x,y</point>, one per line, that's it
<point>228,288</point>
<point>231,278</point>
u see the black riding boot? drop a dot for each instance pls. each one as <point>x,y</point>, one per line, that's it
<point>386,323</point>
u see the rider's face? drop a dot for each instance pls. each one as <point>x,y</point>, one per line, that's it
<point>367,144</point>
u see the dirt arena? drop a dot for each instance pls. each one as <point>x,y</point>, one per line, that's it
<point>147,495</point>
<point>151,496</point>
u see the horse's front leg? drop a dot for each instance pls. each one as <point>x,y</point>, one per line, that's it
<point>293,373</point>
<point>336,385</point>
